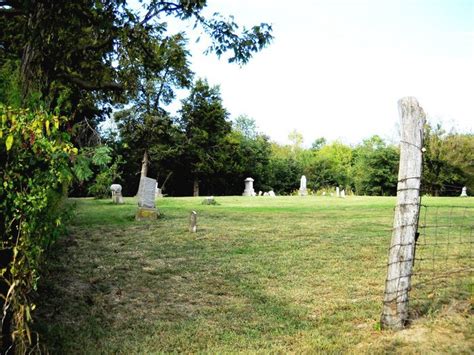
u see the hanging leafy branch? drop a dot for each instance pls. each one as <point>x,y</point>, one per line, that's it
<point>35,171</point>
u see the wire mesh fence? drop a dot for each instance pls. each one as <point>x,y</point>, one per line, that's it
<point>443,264</point>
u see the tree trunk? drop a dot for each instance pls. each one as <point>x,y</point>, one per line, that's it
<point>196,187</point>
<point>144,171</point>
<point>33,76</point>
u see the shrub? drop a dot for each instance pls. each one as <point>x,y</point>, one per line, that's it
<point>35,157</point>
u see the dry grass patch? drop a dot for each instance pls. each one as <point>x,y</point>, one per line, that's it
<point>287,274</point>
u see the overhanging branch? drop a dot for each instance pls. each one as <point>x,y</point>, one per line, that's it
<point>88,85</point>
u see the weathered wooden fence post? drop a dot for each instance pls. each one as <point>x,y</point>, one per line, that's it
<point>405,223</point>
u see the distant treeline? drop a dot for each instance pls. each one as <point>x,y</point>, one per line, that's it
<point>202,152</point>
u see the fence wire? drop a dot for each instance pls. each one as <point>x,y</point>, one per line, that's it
<point>443,264</point>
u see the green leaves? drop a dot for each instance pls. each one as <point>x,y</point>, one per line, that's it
<point>81,168</point>
<point>204,121</point>
<point>9,142</point>
<point>35,167</point>
<point>102,156</point>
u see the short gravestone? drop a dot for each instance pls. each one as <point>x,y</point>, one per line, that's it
<point>343,194</point>
<point>266,194</point>
<point>338,194</point>
<point>116,193</point>
<point>158,192</point>
<point>260,193</point>
<point>146,200</point>
<point>209,201</point>
<point>464,192</point>
<point>249,191</point>
<point>193,222</point>
<point>303,189</point>
<point>271,193</point>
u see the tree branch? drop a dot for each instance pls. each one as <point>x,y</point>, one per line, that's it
<point>160,91</point>
<point>155,10</point>
<point>88,85</point>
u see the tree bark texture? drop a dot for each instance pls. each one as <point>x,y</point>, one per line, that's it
<point>196,188</point>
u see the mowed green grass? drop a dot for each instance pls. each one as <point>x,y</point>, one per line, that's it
<point>284,274</point>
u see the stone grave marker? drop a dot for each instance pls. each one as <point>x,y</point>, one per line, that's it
<point>464,192</point>
<point>303,189</point>
<point>210,200</point>
<point>158,192</point>
<point>193,222</point>
<point>116,193</point>
<point>146,200</point>
<point>249,191</point>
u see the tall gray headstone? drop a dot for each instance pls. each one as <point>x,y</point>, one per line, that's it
<point>146,199</point>
<point>249,191</point>
<point>303,189</point>
<point>146,196</point>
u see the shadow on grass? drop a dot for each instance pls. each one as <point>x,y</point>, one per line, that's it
<point>429,301</point>
<point>96,288</point>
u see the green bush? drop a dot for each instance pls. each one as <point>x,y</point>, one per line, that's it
<point>35,157</point>
<point>100,188</point>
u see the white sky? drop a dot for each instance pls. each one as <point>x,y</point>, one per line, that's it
<point>336,68</point>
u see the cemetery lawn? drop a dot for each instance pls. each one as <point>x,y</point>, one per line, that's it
<point>284,274</point>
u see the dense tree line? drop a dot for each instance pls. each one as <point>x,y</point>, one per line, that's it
<point>201,151</point>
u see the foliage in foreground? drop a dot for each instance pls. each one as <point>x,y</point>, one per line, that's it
<point>35,172</point>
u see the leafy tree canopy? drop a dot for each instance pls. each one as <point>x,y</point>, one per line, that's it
<point>203,120</point>
<point>86,55</point>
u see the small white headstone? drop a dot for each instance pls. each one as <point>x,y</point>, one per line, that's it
<point>337,192</point>
<point>249,191</point>
<point>158,192</point>
<point>343,193</point>
<point>271,193</point>
<point>116,193</point>
<point>209,200</point>
<point>303,189</point>
<point>464,192</point>
<point>260,193</point>
<point>266,194</point>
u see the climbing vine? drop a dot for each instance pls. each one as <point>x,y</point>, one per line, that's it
<point>36,156</point>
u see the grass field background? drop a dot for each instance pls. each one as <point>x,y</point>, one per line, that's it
<point>284,274</point>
